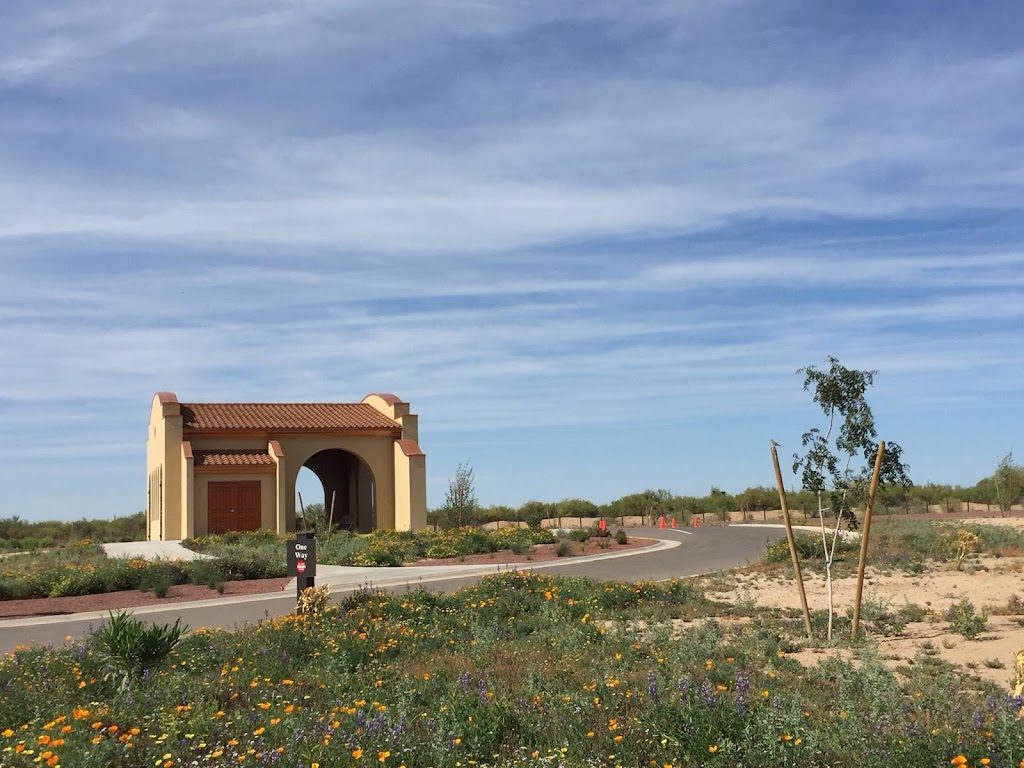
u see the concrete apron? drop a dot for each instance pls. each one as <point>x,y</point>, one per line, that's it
<point>151,550</point>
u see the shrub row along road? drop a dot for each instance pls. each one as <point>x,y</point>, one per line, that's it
<point>701,550</point>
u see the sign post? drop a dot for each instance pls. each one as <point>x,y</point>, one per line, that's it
<point>301,558</point>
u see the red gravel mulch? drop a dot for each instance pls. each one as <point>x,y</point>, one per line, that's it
<point>109,601</point>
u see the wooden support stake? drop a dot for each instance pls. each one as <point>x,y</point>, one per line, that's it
<point>862,564</point>
<point>792,541</point>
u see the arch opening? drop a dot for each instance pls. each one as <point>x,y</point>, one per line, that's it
<point>346,481</point>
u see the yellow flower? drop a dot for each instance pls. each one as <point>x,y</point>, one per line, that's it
<point>713,748</point>
<point>959,760</point>
<point>357,753</point>
<point>383,755</point>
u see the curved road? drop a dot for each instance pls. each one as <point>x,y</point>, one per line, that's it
<point>699,550</point>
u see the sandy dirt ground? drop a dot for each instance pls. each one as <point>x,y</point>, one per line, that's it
<point>993,585</point>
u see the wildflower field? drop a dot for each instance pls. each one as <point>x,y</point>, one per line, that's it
<point>520,670</point>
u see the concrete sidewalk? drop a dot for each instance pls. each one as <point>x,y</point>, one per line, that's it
<point>151,550</point>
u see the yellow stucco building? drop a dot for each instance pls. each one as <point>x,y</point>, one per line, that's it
<point>217,467</point>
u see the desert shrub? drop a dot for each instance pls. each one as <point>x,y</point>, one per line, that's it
<point>562,550</point>
<point>579,534</point>
<point>965,620</point>
<point>379,554</point>
<point>260,539</point>
<point>204,572</point>
<point>621,537</point>
<point>241,565</point>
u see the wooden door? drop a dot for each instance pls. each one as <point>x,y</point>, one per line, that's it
<point>233,506</point>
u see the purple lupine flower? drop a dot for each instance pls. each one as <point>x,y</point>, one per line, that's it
<point>464,680</point>
<point>652,686</point>
<point>684,685</point>
<point>707,694</point>
<point>399,728</point>
<point>742,683</point>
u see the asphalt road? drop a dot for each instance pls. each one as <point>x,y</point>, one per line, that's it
<point>700,550</point>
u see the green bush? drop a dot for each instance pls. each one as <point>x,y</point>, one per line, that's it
<point>621,537</point>
<point>808,547</point>
<point>964,620</point>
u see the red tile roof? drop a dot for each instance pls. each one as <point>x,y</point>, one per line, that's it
<point>285,417</point>
<point>410,448</point>
<point>232,459</point>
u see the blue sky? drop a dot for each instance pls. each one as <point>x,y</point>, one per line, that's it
<point>590,243</point>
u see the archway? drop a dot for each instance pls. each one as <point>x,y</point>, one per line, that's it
<point>348,481</point>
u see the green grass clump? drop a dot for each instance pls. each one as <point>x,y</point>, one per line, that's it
<point>809,547</point>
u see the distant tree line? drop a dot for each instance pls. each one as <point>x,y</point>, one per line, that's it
<point>1001,490</point>
<point>18,534</point>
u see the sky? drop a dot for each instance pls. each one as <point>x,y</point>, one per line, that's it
<point>591,244</point>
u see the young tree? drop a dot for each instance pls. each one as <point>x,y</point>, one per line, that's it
<point>460,504</point>
<point>839,461</point>
<point>840,464</point>
<point>1008,481</point>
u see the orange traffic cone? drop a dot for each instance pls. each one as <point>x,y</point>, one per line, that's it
<point>673,522</point>
<point>661,522</point>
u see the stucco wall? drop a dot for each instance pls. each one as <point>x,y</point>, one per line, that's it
<point>377,452</point>
<point>163,454</point>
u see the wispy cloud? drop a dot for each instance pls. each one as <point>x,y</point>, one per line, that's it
<point>521,216</point>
